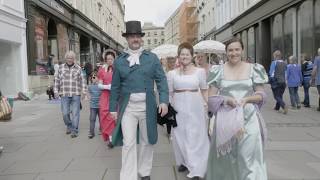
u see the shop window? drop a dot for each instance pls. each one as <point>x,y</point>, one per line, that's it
<point>277,32</point>
<point>289,33</point>
<point>52,38</point>
<point>244,38</point>
<point>149,41</point>
<point>251,44</point>
<point>305,29</point>
<point>155,41</point>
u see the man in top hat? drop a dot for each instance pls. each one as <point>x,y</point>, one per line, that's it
<point>133,104</point>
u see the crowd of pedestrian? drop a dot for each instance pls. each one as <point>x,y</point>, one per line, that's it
<point>289,73</point>
<point>229,95</point>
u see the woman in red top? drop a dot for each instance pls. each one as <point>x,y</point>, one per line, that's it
<point>107,123</point>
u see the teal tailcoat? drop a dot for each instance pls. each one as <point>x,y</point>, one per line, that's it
<point>138,79</point>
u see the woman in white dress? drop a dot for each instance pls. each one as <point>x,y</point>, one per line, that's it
<point>188,93</point>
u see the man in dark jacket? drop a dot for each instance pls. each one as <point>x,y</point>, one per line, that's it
<point>132,94</point>
<point>280,81</point>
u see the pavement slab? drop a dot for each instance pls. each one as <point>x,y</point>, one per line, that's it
<point>37,148</point>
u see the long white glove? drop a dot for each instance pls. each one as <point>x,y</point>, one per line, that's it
<point>105,87</point>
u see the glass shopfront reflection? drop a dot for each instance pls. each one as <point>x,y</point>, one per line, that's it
<point>289,33</point>
<point>305,29</point>
<point>277,32</point>
<point>251,44</point>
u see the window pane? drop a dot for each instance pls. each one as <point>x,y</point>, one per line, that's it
<point>244,39</point>
<point>305,19</point>
<point>277,33</point>
<point>251,44</point>
<point>289,30</point>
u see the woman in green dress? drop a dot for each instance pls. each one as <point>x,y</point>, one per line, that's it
<point>235,96</point>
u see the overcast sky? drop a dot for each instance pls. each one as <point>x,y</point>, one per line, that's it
<point>156,11</point>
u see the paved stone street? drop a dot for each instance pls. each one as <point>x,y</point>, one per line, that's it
<point>36,147</point>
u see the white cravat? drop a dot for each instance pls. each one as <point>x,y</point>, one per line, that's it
<point>134,56</point>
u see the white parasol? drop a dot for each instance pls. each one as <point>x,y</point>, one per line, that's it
<point>210,46</point>
<point>166,50</point>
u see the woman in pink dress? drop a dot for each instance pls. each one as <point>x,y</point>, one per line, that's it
<point>107,123</point>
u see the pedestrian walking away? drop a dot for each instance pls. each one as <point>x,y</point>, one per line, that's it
<point>107,122</point>
<point>236,93</point>
<point>70,85</point>
<point>279,81</point>
<point>306,69</point>
<point>294,80</point>
<point>132,92</point>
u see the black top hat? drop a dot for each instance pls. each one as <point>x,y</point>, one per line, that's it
<point>133,27</point>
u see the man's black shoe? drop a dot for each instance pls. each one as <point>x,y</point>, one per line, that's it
<point>74,135</point>
<point>145,178</point>
<point>182,168</point>
<point>110,145</point>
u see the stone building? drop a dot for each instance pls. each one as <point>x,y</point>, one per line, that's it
<point>182,25</point>
<point>206,18</point>
<point>171,28</point>
<point>291,26</point>
<point>189,23</point>
<point>13,48</point>
<point>56,26</point>
<point>154,36</point>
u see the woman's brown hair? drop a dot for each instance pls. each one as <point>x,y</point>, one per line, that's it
<point>185,45</point>
<point>234,39</point>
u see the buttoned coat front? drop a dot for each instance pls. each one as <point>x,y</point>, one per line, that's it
<point>138,79</point>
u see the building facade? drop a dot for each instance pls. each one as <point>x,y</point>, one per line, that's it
<point>107,14</point>
<point>227,10</point>
<point>13,49</point>
<point>189,23</point>
<point>54,27</point>
<point>171,28</point>
<point>154,36</point>
<point>291,26</point>
<point>206,18</point>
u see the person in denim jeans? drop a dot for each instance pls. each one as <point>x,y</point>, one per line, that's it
<point>95,93</point>
<point>306,69</point>
<point>294,80</point>
<point>69,84</point>
<point>316,75</point>
<point>279,82</point>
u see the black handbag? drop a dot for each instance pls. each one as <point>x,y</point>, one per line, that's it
<point>169,119</point>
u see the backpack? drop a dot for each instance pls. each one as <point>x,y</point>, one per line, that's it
<point>5,109</point>
<point>279,72</point>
